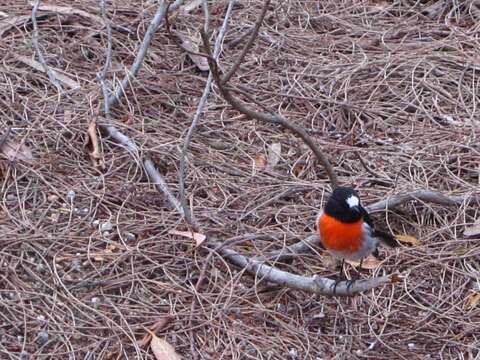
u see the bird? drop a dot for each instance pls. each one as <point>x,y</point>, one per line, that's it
<point>346,229</point>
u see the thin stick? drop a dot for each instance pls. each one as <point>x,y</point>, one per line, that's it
<point>38,51</point>
<point>198,113</point>
<point>265,117</point>
<point>248,46</point>
<point>142,52</point>
<point>101,76</point>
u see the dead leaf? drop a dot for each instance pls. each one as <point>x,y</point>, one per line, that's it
<point>369,263</point>
<point>191,6</point>
<point>110,248</point>
<point>260,162</point>
<point>37,66</point>
<point>92,143</point>
<point>157,326</point>
<point>407,239</point>
<point>473,300</point>
<point>298,169</point>
<point>67,10</point>
<point>16,151</point>
<point>200,61</point>
<point>98,258</point>
<point>199,238</point>
<point>473,229</point>
<point>274,152</point>
<point>161,349</point>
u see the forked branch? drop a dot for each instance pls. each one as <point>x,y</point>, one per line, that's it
<point>272,118</point>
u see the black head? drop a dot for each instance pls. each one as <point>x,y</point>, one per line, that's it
<point>344,205</point>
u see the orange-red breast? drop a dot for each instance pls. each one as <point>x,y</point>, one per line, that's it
<point>346,229</point>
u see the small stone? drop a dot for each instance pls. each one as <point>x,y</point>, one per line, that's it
<point>129,236</point>
<point>95,301</point>
<point>411,346</point>
<point>52,198</point>
<point>71,195</point>
<point>359,352</point>
<point>106,226</point>
<point>42,337</point>
<point>39,268</point>
<point>41,318</point>
<point>293,352</point>
<point>95,223</point>
<point>319,315</point>
<point>11,197</point>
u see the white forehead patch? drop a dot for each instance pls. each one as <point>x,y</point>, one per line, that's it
<point>352,201</point>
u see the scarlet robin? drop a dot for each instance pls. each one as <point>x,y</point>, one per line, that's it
<point>346,228</point>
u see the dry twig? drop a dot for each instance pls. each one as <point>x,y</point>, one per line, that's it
<point>39,52</point>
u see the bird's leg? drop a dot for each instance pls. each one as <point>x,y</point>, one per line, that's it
<point>356,276</point>
<point>340,277</point>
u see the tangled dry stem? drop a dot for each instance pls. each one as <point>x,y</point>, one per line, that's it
<point>396,82</point>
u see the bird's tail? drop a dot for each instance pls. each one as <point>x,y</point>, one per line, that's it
<point>386,238</point>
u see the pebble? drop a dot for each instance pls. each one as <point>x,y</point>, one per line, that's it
<point>106,226</point>
<point>42,337</point>
<point>71,195</point>
<point>130,236</point>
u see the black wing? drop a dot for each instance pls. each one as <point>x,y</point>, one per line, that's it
<point>387,238</point>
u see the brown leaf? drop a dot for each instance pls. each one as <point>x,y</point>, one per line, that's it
<point>162,350</point>
<point>473,229</point>
<point>191,6</point>
<point>408,239</point>
<point>274,151</point>
<point>15,151</point>
<point>473,300</point>
<point>67,10</point>
<point>200,61</point>
<point>199,238</point>
<point>369,263</point>
<point>260,162</point>
<point>92,143</point>
<point>157,326</point>
<point>39,67</point>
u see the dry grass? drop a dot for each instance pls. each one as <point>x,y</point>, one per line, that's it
<point>397,82</point>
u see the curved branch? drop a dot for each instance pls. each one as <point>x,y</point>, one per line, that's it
<point>430,196</point>
<point>314,284</point>
<point>265,117</point>
<point>142,52</point>
<point>249,44</point>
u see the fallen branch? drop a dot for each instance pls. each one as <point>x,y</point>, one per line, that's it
<point>429,196</point>
<point>114,133</point>
<point>315,284</point>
